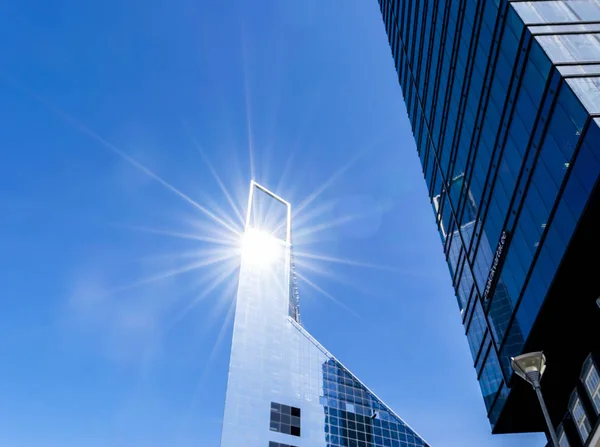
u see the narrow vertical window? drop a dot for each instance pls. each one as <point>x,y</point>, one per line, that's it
<point>591,381</point>
<point>580,417</point>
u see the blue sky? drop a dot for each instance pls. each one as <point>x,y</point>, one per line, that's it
<point>116,116</point>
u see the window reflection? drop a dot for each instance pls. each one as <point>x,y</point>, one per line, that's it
<point>355,417</point>
<point>490,378</point>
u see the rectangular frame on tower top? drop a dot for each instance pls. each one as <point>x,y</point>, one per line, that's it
<point>288,213</point>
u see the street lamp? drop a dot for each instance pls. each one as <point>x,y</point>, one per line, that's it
<point>530,367</point>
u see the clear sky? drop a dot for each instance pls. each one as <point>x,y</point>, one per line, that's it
<point>115,311</point>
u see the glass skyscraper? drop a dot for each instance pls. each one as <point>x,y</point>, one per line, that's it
<point>285,389</point>
<point>504,101</point>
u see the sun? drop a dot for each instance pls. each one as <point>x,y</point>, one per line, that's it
<point>259,248</point>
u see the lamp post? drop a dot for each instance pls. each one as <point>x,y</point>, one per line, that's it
<point>530,367</point>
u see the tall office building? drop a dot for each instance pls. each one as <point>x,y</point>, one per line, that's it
<point>504,101</point>
<point>285,389</point>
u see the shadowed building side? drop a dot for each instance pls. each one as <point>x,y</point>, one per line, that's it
<point>504,101</point>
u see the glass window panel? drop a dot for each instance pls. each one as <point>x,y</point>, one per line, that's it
<point>534,82</point>
<point>564,222</point>
<point>561,29</point>
<point>572,107</point>
<point>568,70</point>
<point>526,109</point>
<point>588,91</point>
<point>575,196</point>
<point>483,260</point>
<point>466,283</point>
<point>580,417</point>
<point>476,329</point>
<point>509,48</point>
<point>550,170</point>
<point>513,346</point>
<point>514,22</point>
<point>490,12</point>
<point>523,255</point>
<point>571,47</point>
<point>544,12</point>
<point>592,385</point>
<point>539,212</point>
<point>564,132</point>
<point>501,309</point>
<point>491,378</point>
<point>519,135</point>
<point>586,10</point>
<point>530,230</point>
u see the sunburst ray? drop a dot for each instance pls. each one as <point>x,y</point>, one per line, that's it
<point>231,241</point>
<point>336,260</point>
<point>70,119</point>
<point>168,274</point>
<point>327,225</point>
<point>326,184</point>
<point>218,279</point>
<point>250,136</point>
<point>215,175</point>
<point>326,294</point>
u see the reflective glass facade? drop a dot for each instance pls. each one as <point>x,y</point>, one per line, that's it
<point>284,389</point>
<point>504,102</point>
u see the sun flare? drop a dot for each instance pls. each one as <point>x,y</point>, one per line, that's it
<point>259,248</point>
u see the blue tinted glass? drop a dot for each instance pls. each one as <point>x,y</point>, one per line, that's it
<point>527,313</point>
<point>499,404</point>
<point>534,83</point>
<point>575,196</point>
<point>476,329</point>
<point>513,148</point>
<point>514,22</point>
<point>512,347</point>
<point>540,60</point>
<point>526,109</point>
<point>588,91</point>
<point>587,166</point>
<point>491,378</point>
<point>500,310</point>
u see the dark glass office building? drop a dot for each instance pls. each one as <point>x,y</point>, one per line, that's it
<point>285,389</point>
<point>504,101</point>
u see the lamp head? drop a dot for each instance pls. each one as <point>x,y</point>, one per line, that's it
<point>530,367</point>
